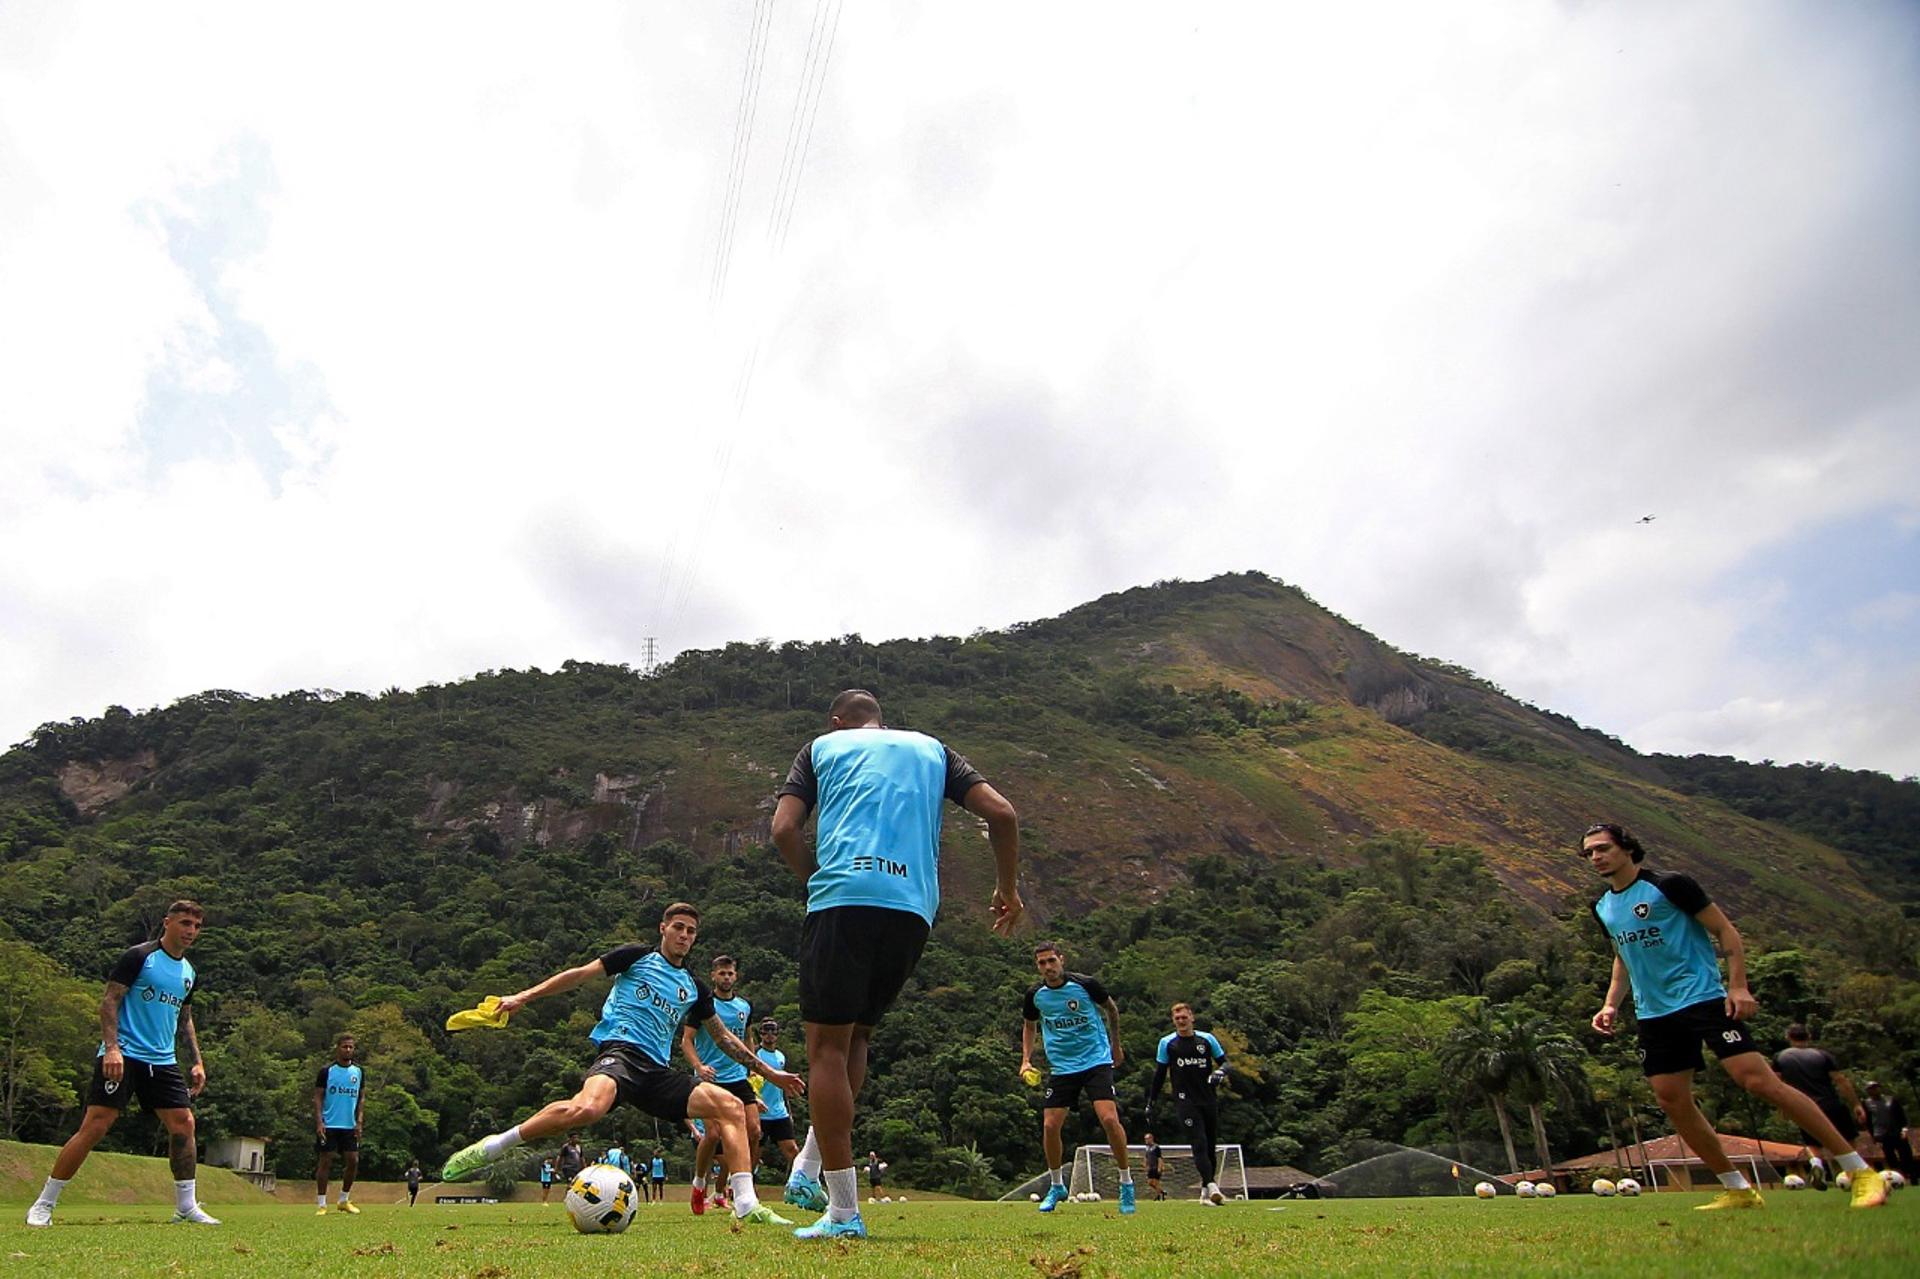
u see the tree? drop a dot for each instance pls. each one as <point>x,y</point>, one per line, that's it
<point>46,1024</point>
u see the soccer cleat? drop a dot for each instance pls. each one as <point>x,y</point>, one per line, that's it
<point>1213,1194</point>
<point>1817,1176</point>
<point>763,1216</point>
<point>321,1211</point>
<point>40,1214</point>
<point>828,1228</point>
<point>804,1192</point>
<point>1748,1198</point>
<point>466,1163</point>
<point>1869,1189</point>
<point>698,1200</point>
<point>348,1207</point>
<point>1126,1198</point>
<point>195,1216</point>
<point>1055,1196</point>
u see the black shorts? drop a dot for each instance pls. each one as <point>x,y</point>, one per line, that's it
<point>1671,1044</point>
<point>338,1141</point>
<point>642,1082</point>
<point>777,1130</point>
<point>1064,1090</point>
<point>157,1087</point>
<point>743,1089</point>
<point>659,1181</point>
<point>854,960</point>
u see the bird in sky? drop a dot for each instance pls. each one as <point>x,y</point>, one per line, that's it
<point>1644,519</point>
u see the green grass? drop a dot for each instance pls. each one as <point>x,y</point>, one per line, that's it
<point>1796,1234</point>
<point>112,1179</point>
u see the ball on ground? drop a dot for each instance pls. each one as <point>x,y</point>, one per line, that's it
<point>1544,1190</point>
<point>1485,1190</point>
<point>1844,1181</point>
<point>1524,1189</point>
<point>1896,1180</point>
<point>1603,1187</point>
<point>1794,1181</point>
<point>601,1200</point>
<point>1628,1187</point>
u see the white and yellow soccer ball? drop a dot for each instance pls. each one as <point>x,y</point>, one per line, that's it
<point>601,1200</point>
<point>1524,1189</point>
<point>1794,1181</point>
<point>1896,1180</point>
<point>1544,1190</point>
<point>1485,1190</point>
<point>1844,1181</point>
<point>1628,1187</point>
<point>1604,1188</point>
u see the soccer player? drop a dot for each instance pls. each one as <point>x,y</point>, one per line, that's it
<point>1152,1159</point>
<point>1080,1030</point>
<point>659,1176</point>
<point>1814,1072</point>
<point>872,891</point>
<point>571,1159</point>
<point>1198,1065</point>
<point>1887,1119</point>
<point>776,1121</point>
<point>712,1065</point>
<point>546,1179</point>
<point>339,1114</point>
<point>146,1005</point>
<point>652,995</point>
<point>1663,929</point>
<point>413,1181</point>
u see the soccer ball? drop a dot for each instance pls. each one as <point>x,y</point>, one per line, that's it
<point>1844,1181</point>
<point>1794,1181</point>
<point>1034,1197</point>
<point>903,1198</point>
<point>886,1199</point>
<point>1603,1187</point>
<point>1544,1190</point>
<point>1896,1180</point>
<point>1628,1187</point>
<point>1485,1190</point>
<point>601,1200</point>
<point>1524,1189</point>
<point>1093,1196</point>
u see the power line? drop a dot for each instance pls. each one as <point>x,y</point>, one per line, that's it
<point>744,115</point>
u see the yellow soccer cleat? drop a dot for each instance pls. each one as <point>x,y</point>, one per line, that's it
<point>1733,1199</point>
<point>321,1213</point>
<point>348,1207</point>
<point>1869,1189</point>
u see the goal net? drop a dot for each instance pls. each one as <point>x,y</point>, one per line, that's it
<point>1760,1172</point>
<point>1094,1170</point>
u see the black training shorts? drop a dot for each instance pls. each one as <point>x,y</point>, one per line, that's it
<point>777,1130</point>
<point>1064,1090</point>
<point>642,1082</point>
<point>1671,1044</point>
<point>854,960</point>
<point>339,1141</point>
<point>743,1089</point>
<point>157,1087</point>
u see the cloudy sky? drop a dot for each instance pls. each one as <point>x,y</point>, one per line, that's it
<point>358,345</point>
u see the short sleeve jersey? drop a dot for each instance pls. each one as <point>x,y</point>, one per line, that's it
<point>650,1000</point>
<point>879,793</point>
<point>1071,1027</point>
<point>339,1089</point>
<point>775,1099</point>
<point>659,1169</point>
<point>1189,1061</point>
<point>1811,1071</point>
<point>735,1013</point>
<point>158,987</point>
<point>1668,954</point>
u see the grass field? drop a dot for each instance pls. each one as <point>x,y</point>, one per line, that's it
<point>1796,1234</point>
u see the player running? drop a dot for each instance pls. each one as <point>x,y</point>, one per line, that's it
<point>1663,929</point>
<point>712,1065</point>
<point>776,1121</point>
<point>339,1114</point>
<point>147,1003</point>
<point>1198,1065</point>
<point>1080,1030</point>
<point>872,890</point>
<point>653,995</point>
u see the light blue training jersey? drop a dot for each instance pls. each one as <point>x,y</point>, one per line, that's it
<point>734,1013</point>
<point>1071,1026</point>
<point>158,987</point>
<point>1668,953</point>
<point>774,1098</point>
<point>340,1099</point>
<point>650,1000</point>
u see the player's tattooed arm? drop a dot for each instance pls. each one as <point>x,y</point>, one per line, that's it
<point>731,1045</point>
<point>111,1062</point>
<point>196,1068</point>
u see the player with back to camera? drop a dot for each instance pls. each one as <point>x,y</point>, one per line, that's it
<point>1197,1065</point>
<point>1079,1026</point>
<point>1663,929</point>
<point>148,1002</point>
<point>1814,1072</point>
<point>873,889</point>
<point>339,1115</point>
<point>652,996</point>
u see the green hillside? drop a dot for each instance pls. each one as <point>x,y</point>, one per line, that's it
<point>1227,794</point>
<point>112,1178</point>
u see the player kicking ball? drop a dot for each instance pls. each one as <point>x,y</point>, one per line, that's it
<point>1663,929</point>
<point>653,996</point>
<point>1080,1030</point>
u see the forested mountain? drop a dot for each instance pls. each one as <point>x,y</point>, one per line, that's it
<point>1348,857</point>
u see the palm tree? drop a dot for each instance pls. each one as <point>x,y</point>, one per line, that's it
<point>1474,1058</point>
<point>1522,1056</point>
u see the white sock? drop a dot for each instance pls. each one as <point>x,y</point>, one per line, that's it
<point>183,1195</point>
<point>501,1142</point>
<point>1735,1180</point>
<point>1059,1176</point>
<point>1815,1162</point>
<point>807,1162</point>
<point>843,1193</point>
<point>320,1201</point>
<point>343,1195</point>
<point>1851,1162</point>
<point>1126,1176</point>
<point>50,1193</point>
<point>740,1186</point>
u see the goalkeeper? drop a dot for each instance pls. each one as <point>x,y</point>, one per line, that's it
<point>1198,1065</point>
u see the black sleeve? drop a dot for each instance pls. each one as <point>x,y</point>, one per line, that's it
<point>961,776</point>
<point>801,781</point>
<point>702,1007</point>
<point>1683,892</point>
<point>320,1080</point>
<point>1028,1007</point>
<point>621,958</point>
<point>1159,1079</point>
<point>1600,923</point>
<point>126,969</point>
<point>1095,991</point>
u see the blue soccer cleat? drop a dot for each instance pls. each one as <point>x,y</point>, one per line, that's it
<point>1126,1198</point>
<point>828,1228</point>
<point>1056,1195</point>
<point>805,1192</point>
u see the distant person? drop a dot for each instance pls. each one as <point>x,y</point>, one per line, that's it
<point>546,1179</point>
<point>339,1116</point>
<point>413,1181</point>
<point>659,1178</point>
<point>711,1064</point>
<point>1887,1119</point>
<point>616,1157</point>
<point>1663,929</point>
<point>633,1044</point>
<point>876,1171</point>
<point>1814,1072</point>
<point>1079,1027</point>
<point>1198,1065</point>
<point>1152,1161</point>
<point>776,1120</point>
<point>873,888</point>
<point>147,1003</point>
<point>571,1159</point>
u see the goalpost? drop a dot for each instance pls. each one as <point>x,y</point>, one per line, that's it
<point>1094,1170</point>
<point>1760,1172</point>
